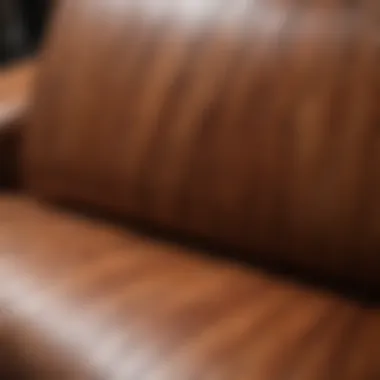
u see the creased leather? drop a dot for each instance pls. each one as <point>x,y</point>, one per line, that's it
<point>85,300</point>
<point>249,123</point>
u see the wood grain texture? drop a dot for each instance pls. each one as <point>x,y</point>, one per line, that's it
<point>249,123</point>
<point>84,300</point>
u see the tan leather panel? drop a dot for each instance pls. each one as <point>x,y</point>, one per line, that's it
<point>16,83</point>
<point>80,300</point>
<point>251,123</point>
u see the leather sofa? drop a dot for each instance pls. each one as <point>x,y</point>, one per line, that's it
<point>191,191</point>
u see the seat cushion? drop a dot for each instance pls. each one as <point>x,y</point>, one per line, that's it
<point>83,300</point>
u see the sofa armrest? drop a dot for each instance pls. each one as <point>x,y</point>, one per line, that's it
<point>16,84</point>
<point>15,93</point>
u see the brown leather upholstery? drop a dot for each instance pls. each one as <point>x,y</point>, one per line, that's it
<point>88,301</point>
<point>250,123</point>
<point>16,85</point>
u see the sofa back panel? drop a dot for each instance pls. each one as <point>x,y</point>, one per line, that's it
<point>249,123</point>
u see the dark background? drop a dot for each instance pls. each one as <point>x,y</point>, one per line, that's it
<point>22,26</point>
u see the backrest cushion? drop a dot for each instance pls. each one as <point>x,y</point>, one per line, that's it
<point>254,124</point>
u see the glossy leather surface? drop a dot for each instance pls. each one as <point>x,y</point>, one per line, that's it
<point>16,88</point>
<point>250,123</point>
<point>84,300</point>
<point>16,85</point>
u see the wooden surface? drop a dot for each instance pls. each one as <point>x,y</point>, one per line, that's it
<point>16,83</point>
